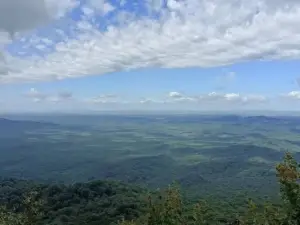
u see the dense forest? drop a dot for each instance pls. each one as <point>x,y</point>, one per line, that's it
<point>211,157</point>
<point>107,202</point>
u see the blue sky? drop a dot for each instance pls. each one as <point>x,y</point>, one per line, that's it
<point>267,78</point>
<point>251,78</point>
<point>182,60</point>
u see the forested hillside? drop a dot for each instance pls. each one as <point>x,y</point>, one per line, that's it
<point>102,169</point>
<point>107,203</point>
<point>221,155</point>
<point>97,202</point>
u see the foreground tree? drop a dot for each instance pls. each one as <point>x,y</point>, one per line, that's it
<point>29,215</point>
<point>288,174</point>
<point>168,209</point>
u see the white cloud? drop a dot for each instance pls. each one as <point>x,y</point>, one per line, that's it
<point>256,98</point>
<point>105,98</point>
<point>216,101</point>
<point>293,95</point>
<point>232,98</point>
<point>101,6</point>
<point>188,33</point>
<point>20,15</point>
<point>178,97</point>
<point>151,101</point>
<point>37,96</point>
<point>58,8</point>
<point>171,98</point>
<point>214,97</point>
<point>175,94</point>
<point>146,101</point>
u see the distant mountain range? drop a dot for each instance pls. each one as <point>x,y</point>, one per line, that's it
<point>9,128</point>
<point>8,123</point>
<point>36,121</point>
<point>156,112</point>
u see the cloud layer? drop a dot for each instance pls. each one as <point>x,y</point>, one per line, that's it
<point>171,34</point>
<point>19,15</point>
<point>172,97</point>
<point>217,98</point>
<point>38,96</point>
<point>35,100</point>
<point>293,95</point>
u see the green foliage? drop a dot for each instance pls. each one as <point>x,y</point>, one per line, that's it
<point>96,202</point>
<point>169,210</point>
<point>10,218</point>
<point>222,160</point>
<point>109,202</point>
<point>30,212</point>
<point>205,154</point>
<point>288,173</point>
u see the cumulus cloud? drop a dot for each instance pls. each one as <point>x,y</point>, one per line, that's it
<point>98,6</point>
<point>214,97</point>
<point>175,94</point>
<point>177,34</point>
<point>232,98</point>
<point>151,101</point>
<point>173,100</point>
<point>20,15</point>
<point>293,95</point>
<point>255,98</point>
<point>179,97</point>
<point>104,98</point>
<point>38,96</point>
<point>173,97</point>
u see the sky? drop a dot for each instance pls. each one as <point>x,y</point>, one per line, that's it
<point>95,55</point>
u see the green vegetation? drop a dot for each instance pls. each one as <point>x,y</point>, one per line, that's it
<point>113,203</point>
<point>222,160</point>
<point>97,202</point>
<point>211,152</point>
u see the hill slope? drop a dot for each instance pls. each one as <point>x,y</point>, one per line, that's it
<point>97,202</point>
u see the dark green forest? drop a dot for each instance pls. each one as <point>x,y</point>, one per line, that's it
<point>97,202</point>
<point>104,202</point>
<point>114,169</point>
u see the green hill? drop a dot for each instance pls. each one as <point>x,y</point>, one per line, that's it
<point>96,202</point>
